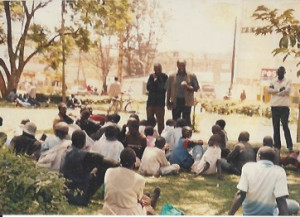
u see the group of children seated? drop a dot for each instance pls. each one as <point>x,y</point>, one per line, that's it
<point>83,150</point>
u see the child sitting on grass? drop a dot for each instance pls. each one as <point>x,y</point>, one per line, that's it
<point>209,163</point>
<point>149,131</point>
<point>154,161</point>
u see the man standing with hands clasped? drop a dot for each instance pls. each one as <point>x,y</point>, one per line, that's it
<point>156,96</point>
<point>280,90</point>
<point>180,88</point>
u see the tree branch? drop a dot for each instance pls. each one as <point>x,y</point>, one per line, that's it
<point>40,5</point>
<point>3,65</point>
<point>11,53</point>
<point>25,8</point>
<point>45,46</point>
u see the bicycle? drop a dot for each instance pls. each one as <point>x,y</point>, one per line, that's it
<point>117,103</point>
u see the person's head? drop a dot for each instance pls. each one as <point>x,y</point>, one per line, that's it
<point>61,129</point>
<point>72,95</point>
<point>221,123</point>
<point>78,139</point>
<point>85,114</point>
<point>148,131</point>
<point>268,141</point>
<point>180,122</point>
<point>111,132</point>
<point>89,107</point>
<point>181,64</point>
<point>115,118</point>
<point>170,122</point>
<point>151,121</point>
<point>215,129</point>
<point>244,136</point>
<point>30,128</point>
<point>133,126</point>
<point>157,68</point>
<point>160,142</point>
<point>265,153</point>
<point>62,108</point>
<point>135,116</point>
<point>116,79</point>
<point>187,132</point>
<point>128,158</point>
<point>215,140</point>
<point>280,72</point>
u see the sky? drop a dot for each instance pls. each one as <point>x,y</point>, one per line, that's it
<point>200,26</point>
<point>193,26</point>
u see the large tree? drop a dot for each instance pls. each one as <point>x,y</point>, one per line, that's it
<point>286,25</point>
<point>21,48</point>
<point>142,36</point>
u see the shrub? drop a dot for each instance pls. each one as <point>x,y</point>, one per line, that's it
<point>26,189</point>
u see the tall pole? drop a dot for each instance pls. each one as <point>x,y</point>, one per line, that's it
<point>63,6</point>
<point>233,58</point>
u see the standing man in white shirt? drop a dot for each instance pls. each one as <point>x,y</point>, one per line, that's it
<point>280,89</point>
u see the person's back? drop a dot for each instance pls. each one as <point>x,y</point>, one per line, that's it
<point>263,188</point>
<point>241,154</point>
<point>26,143</point>
<point>114,89</point>
<point>108,145</point>
<point>124,188</point>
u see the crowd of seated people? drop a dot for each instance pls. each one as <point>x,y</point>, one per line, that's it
<point>90,154</point>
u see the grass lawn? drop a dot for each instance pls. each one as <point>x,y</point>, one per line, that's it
<point>195,196</point>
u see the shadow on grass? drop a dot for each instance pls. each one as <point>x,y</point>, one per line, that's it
<point>195,196</point>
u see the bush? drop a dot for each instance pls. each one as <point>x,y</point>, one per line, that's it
<point>26,189</point>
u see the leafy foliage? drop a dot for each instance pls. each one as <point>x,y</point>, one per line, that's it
<point>284,24</point>
<point>25,189</point>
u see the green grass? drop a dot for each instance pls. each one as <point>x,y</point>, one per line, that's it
<point>195,196</point>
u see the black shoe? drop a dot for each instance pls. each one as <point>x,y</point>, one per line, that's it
<point>155,197</point>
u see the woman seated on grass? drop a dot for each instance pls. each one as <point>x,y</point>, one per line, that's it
<point>209,163</point>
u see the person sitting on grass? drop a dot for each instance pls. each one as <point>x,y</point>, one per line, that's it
<point>124,189</point>
<point>174,136</point>
<point>216,129</point>
<point>292,158</point>
<point>55,148</point>
<point>108,145</point>
<point>84,170</point>
<point>154,161</point>
<point>262,189</point>
<point>135,140</point>
<point>149,136</point>
<point>210,161</point>
<point>3,136</point>
<point>222,124</point>
<point>170,124</point>
<point>241,154</point>
<point>62,115</point>
<point>268,141</point>
<point>181,155</point>
<point>61,130</point>
<point>89,126</point>
<point>26,143</point>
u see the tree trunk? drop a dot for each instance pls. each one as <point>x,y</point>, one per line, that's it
<point>298,127</point>
<point>13,81</point>
<point>121,56</point>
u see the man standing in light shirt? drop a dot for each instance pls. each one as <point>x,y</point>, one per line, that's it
<point>262,189</point>
<point>280,90</point>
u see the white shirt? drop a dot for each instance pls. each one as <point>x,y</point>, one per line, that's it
<point>280,98</point>
<point>173,137</point>
<point>264,182</point>
<point>109,149</point>
<point>114,89</point>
